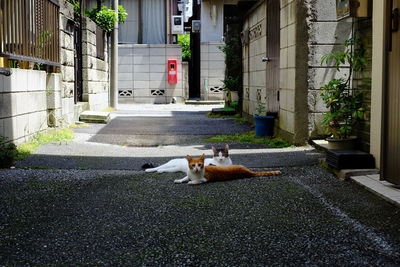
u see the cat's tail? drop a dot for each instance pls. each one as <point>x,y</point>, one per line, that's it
<point>268,173</point>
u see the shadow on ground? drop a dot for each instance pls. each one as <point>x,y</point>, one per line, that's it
<point>250,160</point>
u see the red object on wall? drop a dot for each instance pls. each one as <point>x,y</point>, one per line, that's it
<point>172,71</point>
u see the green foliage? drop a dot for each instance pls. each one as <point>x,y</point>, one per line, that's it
<point>345,108</point>
<point>8,153</point>
<point>222,116</point>
<point>233,60</point>
<point>353,55</point>
<point>106,17</point>
<point>260,109</point>
<point>77,8</point>
<point>345,104</point>
<point>28,148</point>
<point>184,40</point>
<point>250,138</point>
<point>231,83</point>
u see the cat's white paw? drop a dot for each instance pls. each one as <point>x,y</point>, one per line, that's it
<point>160,171</point>
<point>194,182</point>
<point>178,181</point>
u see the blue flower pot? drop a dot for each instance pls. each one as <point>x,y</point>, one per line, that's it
<point>264,125</point>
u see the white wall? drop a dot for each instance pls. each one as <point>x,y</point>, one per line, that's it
<point>28,99</point>
<point>209,31</point>
<point>143,76</point>
<point>212,70</point>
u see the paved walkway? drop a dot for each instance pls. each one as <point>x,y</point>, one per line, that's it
<point>140,134</point>
<point>94,208</point>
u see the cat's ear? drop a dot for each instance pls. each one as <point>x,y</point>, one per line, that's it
<point>214,149</point>
<point>202,157</point>
<point>226,147</point>
<point>189,158</point>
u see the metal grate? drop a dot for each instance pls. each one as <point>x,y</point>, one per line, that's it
<point>125,93</point>
<point>216,89</point>
<point>29,30</point>
<point>157,92</point>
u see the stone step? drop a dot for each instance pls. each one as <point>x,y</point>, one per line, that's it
<point>204,102</point>
<point>95,116</point>
<point>79,108</point>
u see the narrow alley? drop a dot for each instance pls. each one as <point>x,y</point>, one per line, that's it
<point>95,206</point>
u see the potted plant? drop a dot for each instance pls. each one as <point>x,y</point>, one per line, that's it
<point>264,123</point>
<point>231,85</point>
<point>344,103</point>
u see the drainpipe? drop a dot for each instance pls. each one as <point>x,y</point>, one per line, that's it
<point>114,62</point>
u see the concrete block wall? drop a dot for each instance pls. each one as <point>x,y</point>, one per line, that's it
<point>67,54</point>
<point>325,36</point>
<point>143,76</point>
<point>23,104</point>
<point>95,71</point>
<point>287,80</point>
<point>254,75</point>
<point>212,70</point>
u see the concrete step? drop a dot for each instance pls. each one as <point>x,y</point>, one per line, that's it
<point>204,102</point>
<point>95,116</point>
<point>79,108</point>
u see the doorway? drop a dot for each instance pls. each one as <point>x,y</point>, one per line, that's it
<point>272,57</point>
<point>391,140</point>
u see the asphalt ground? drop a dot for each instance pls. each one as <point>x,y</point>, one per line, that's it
<point>304,217</point>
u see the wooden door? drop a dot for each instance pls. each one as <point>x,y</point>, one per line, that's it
<point>391,140</point>
<point>272,57</point>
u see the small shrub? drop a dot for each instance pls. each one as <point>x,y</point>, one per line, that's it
<point>8,153</point>
<point>106,17</point>
<point>184,40</point>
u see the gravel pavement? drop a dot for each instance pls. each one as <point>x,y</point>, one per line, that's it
<point>71,217</point>
<point>87,202</point>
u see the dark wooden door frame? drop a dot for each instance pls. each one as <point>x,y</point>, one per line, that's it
<point>272,54</point>
<point>385,95</point>
<point>78,84</point>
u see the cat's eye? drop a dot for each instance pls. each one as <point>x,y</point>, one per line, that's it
<point>193,165</point>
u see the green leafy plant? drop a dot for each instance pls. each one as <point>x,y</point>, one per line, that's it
<point>345,104</point>
<point>8,153</point>
<point>106,17</point>
<point>230,84</point>
<point>249,138</point>
<point>345,108</point>
<point>260,109</point>
<point>184,40</point>
<point>77,8</point>
<point>233,60</point>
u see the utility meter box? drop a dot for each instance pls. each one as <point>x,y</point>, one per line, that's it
<point>352,8</point>
<point>177,25</point>
<point>196,26</point>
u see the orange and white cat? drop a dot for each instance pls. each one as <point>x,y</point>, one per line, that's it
<point>198,173</point>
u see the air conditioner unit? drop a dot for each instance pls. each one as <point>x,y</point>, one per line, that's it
<point>177,25</point>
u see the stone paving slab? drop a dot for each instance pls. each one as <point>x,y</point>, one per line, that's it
<point>381,188</point>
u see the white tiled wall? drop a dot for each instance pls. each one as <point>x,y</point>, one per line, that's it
<point>143,74</point>
<point>212,70</point>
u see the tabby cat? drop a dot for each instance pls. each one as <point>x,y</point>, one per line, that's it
<point>198,173</point>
